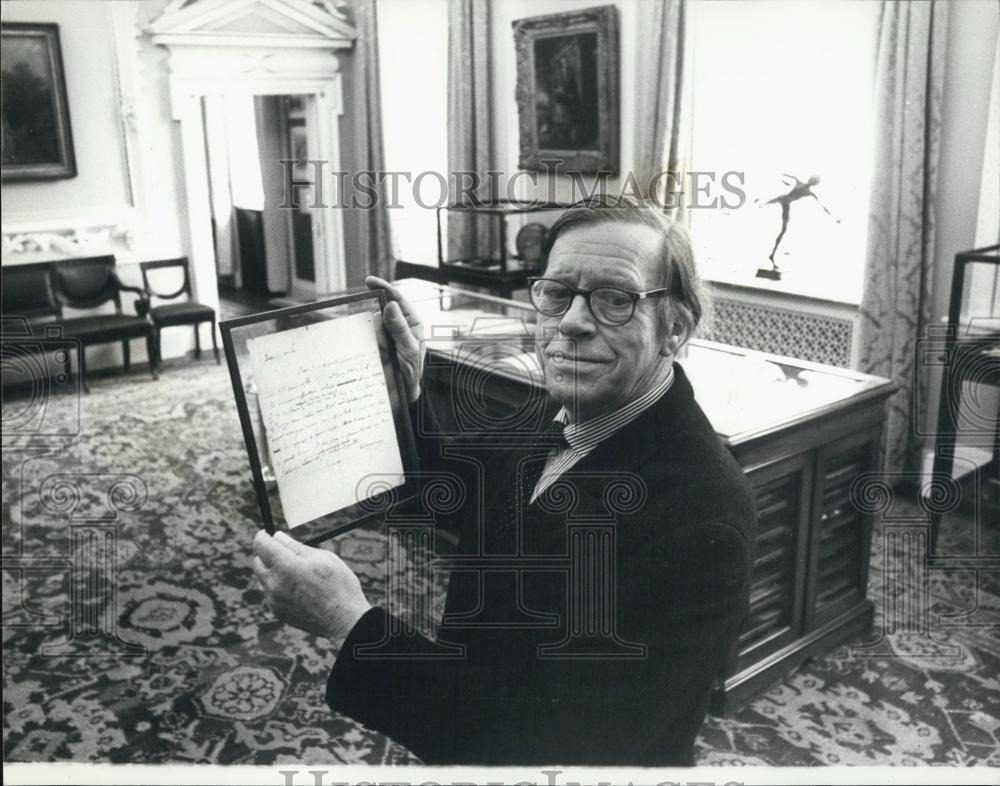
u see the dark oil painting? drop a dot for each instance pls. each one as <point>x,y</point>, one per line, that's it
<point>36,142</point>
<point>566,108</point>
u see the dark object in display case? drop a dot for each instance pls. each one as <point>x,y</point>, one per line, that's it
<point>529,242</point>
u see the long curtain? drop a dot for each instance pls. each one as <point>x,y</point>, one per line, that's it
<point>895,306</point>
<point>660,98</point>
<point>376,234</point>
<point>470,132</point>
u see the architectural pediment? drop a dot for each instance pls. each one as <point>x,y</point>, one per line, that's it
<point>280,23</point>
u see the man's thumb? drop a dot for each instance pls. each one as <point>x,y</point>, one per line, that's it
<point>290,543</point>
<point>397,325</point>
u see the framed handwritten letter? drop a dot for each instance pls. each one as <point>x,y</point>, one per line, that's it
<point>324,419</point>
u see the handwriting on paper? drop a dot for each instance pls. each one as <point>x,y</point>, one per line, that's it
<point>326,408</point>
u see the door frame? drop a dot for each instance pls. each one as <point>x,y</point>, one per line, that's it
<point>300,287</point>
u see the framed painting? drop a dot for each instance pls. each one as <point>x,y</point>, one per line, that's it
<point>567,90</point>
<point>37,142</point>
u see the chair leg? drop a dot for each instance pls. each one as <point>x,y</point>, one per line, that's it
<point>153,350</point>
<point>155,356</point>
<point>81,363</point>
<point>197,342</point>
<point>215,343</point>
<point>127,356</point>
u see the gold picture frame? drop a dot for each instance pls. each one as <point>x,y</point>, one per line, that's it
<point>567,90</point>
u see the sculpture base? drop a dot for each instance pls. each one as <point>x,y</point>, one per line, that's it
<point>772,273</point>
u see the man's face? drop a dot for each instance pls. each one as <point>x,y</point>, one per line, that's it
<point>598,366</point>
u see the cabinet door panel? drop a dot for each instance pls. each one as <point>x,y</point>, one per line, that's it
<point>781,491</point>
<point>841,533</point>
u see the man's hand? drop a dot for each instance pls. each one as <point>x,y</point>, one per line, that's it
<point>407,332</point>
<point>308,588</point>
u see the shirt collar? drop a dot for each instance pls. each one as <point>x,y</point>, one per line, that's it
<point>588,433</point>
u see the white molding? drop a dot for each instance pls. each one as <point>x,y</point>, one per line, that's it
<point>195,21</point>
<point>202,70</point>
<point>125,53</point>
<point>30,240</point>
<point>269,40</point>
<point>202,254</point>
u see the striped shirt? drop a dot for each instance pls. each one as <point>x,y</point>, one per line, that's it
<point>583,438</point>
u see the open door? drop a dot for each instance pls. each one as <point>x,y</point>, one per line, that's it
<point>305,235</point>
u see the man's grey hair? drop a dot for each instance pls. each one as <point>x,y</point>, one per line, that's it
<point>688,304</point>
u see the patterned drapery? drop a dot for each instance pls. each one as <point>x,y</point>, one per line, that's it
<point>660,88</point>
<point>470,132</point>
<point>895,306</point>
<point>376,234</point>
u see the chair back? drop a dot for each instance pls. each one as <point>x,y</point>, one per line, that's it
<point>159,264</point>
<point>27,292</point>
<point>87,283</point>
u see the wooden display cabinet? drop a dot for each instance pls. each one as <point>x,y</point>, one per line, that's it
<point>802,432</point>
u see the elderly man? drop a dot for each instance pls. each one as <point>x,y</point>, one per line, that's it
<point>618,299</point>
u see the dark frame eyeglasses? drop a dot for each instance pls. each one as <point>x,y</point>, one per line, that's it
<point>615,307</point>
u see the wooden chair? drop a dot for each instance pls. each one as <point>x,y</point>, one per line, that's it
<point>27,294</point>
<point>187,312</point>
<point>92,282</point>
<point>29,311</point>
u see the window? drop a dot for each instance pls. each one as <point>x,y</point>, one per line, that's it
<point>413,63</point>
<point>784,88</point>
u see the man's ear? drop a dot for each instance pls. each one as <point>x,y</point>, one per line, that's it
<point>673,338</point>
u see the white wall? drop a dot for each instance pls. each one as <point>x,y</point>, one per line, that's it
<point>138,189</point>
<point>93,111</point>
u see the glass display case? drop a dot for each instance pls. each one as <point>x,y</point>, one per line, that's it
<point>490,256</point>
<point>803,433</point>
<point>967,351</point>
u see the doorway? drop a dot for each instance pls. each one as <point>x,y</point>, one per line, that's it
<point>255,48</point>
<point>265,240</point>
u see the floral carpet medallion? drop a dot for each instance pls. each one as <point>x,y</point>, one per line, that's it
<point>135,632</point>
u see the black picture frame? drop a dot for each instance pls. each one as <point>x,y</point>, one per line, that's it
<point>235,333</point>
<point>567,90</point>
<point>37,136</point>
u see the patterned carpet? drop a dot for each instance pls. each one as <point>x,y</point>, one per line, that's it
<point>134,632</point>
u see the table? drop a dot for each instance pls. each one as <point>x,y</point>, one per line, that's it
<point>804,433</point>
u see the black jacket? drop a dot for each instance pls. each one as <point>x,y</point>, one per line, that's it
<point>671,566</point>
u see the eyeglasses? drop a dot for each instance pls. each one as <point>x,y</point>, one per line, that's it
<point>609,305</point>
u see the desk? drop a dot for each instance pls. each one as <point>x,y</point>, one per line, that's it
<point>803,433</point>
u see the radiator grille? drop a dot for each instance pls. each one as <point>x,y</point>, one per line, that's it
<point>796,334</point>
